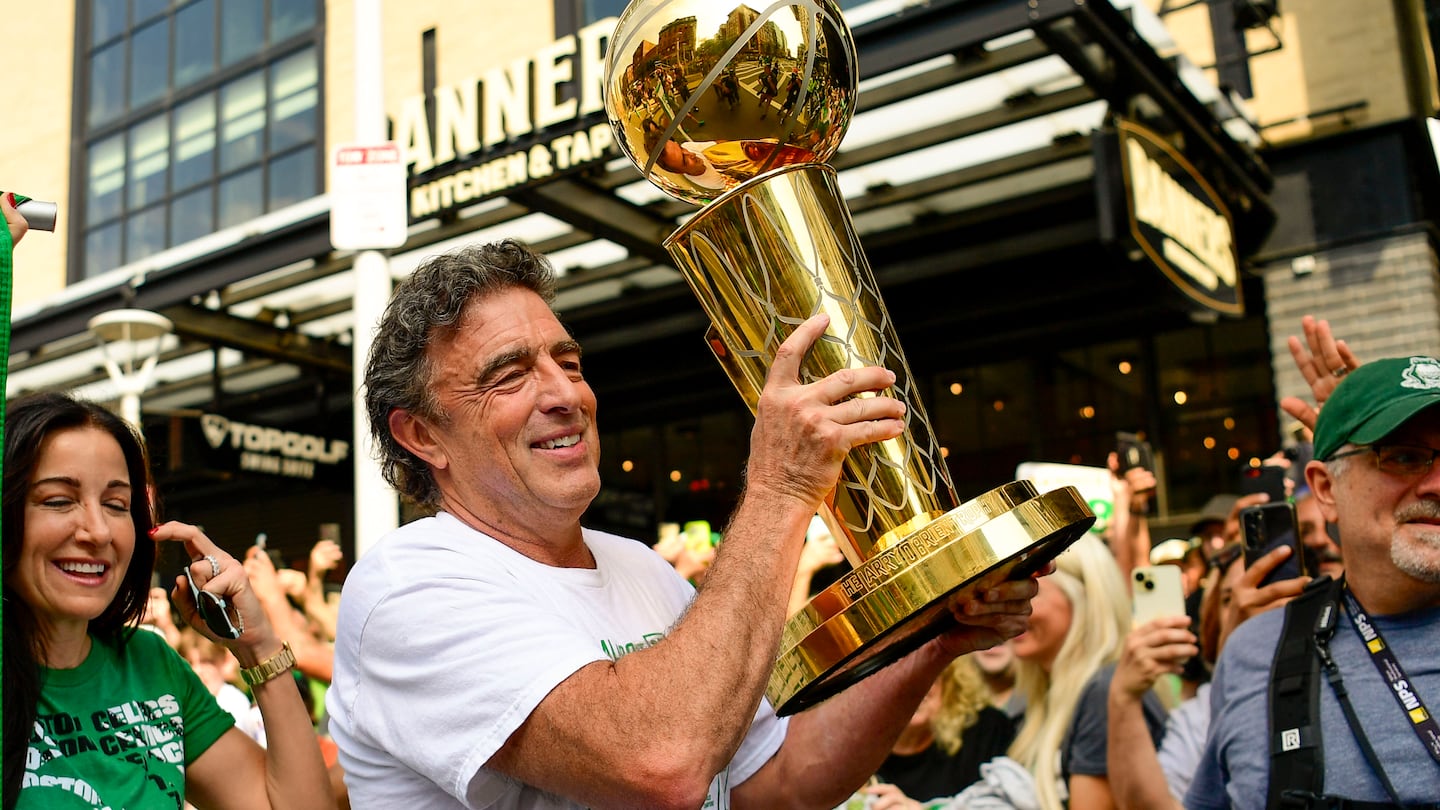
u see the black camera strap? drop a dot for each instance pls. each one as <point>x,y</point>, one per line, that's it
<point>1297,757</point>
<point>1401,687</point>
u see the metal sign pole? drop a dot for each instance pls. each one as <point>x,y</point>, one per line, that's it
<point>377,508</point>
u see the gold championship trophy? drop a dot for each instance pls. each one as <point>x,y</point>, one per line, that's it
<point>737,110</point>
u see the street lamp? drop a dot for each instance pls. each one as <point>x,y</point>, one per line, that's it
<point>130,342</point>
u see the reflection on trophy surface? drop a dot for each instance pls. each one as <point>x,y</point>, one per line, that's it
<point>736,109</point>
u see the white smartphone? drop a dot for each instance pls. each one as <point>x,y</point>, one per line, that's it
<point>1156,591</point>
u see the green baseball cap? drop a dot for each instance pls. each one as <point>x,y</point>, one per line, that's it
<point>1374,400</point>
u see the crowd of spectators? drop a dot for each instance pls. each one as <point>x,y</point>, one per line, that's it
<point>1086,709</point>
<point>1082,710</point>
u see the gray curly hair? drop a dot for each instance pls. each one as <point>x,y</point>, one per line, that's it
<point>424,306</point>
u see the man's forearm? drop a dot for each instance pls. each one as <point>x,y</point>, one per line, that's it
<point>741,607</point>
<point>832,749</point>
<point>664,720</point>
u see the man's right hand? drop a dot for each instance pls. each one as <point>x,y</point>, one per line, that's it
<point>1158,647</point>
<point>803,431</point>
<point>1248,598</point>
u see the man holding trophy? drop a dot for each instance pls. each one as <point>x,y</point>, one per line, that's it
<point>500,655</point>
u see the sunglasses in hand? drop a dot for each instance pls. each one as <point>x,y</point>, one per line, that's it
<point>213,610</point>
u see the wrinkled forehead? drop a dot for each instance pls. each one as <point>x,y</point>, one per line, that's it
<point>501,323</point>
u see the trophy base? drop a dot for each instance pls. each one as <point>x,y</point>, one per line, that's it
<point>899,599</point>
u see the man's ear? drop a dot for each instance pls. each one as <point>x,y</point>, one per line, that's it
<point>1322,486</point>
<point>414,434</point>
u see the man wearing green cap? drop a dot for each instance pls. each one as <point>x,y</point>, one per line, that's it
<point>1343,708</point>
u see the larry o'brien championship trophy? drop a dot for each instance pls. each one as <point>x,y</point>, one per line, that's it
<point>737,109</point>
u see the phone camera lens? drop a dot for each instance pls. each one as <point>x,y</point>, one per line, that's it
<point>1139,576</point>
<point>1149,586</point>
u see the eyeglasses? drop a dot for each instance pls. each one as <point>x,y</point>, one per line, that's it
<point>212,609</point>
<point>1397,459</point>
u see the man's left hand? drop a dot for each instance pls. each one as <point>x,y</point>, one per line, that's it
<point>991,611</point>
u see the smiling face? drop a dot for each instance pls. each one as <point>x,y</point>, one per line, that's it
<point>79,534</point>
<point>1389,523</point>
<point>515,451</point>
<point>1050,616</point>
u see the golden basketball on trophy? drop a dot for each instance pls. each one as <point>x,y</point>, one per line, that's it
<point>738,110</point>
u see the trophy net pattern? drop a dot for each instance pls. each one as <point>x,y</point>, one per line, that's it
<point>763,260</point>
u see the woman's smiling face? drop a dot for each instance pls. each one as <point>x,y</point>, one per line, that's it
<point>79,534</point>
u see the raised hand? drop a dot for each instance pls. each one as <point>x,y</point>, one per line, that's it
<point>1158,647</point>
<point>217,572</point>
<point>803,431</point>
<point>1249,598</point>
<point>324,556</point>
<point>819,552</point>
<point>1323,361</point>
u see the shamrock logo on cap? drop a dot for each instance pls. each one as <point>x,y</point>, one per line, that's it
<point>1423,373</point>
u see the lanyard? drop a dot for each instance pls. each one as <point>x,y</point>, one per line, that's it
<point>1401,687</point>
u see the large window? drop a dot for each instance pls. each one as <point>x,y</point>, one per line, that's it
<point>197,116</point>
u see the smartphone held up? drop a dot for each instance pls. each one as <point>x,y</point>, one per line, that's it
<point>1158,590</point>
<point>1268,526</point>
<point>1266,478</point>
<point>1133,452</point>
<point>215,611</point>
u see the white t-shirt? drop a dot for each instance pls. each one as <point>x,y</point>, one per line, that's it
<point>447,640</point>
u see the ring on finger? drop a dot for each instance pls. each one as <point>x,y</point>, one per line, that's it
<point>1339,372</point>
<point>214,565</point>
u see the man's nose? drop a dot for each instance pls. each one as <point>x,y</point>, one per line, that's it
<point>1428,485</point>
<point>557,389</point>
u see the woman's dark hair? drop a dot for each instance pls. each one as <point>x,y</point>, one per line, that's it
<point>28,422</point>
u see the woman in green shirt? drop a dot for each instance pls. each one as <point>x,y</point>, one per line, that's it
<point>95,713</point>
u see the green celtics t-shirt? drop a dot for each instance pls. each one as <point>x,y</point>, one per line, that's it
<point>118,730</point>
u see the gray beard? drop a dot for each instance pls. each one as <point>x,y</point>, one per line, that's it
<point>1419,558</point>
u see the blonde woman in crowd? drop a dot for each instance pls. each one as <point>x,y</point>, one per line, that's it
<point>1065,660</point>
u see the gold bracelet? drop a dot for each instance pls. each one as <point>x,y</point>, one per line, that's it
<point>270,667</point>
